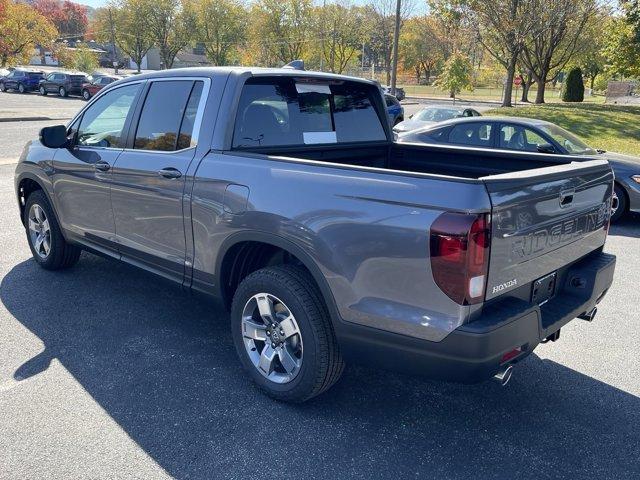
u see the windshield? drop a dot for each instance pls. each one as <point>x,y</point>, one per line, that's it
<point>567,140</point>
<point>436,114</point>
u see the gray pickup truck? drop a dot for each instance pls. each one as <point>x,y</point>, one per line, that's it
<point>282,193</point>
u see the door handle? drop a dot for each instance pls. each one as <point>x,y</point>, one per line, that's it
<point>170,172</point>
<point>102,166</point>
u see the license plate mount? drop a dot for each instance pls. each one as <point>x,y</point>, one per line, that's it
<point>544,289</point>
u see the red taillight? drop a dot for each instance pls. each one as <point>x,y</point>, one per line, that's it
<point>460,255</point>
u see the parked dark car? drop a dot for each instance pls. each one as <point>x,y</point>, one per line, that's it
<point>63,83</point>
<point>394,109</point>
<point>21,80</point>
<point>400,95</point>
<point>538,136</point>
<point>432,115</point>
<point>89,89</point>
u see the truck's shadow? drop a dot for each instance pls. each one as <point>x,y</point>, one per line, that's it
<point>161,362</point>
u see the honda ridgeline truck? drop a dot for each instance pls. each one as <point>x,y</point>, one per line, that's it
<point>283,193</point>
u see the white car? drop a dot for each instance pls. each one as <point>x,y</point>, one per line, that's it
<point>432,115</point>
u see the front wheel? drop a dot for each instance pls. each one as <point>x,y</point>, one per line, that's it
<point>21,88</point>
<point>618,203</point>
<point>62,92</point>
<point>48,246</point>
<point>283,334</point>
<point>86,95</point>
<point>2,87</point>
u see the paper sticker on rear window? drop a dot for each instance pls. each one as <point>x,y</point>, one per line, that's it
<point>313,88</point>
<point>319,137</point>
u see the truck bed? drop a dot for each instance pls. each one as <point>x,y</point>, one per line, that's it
<point>453,161</point>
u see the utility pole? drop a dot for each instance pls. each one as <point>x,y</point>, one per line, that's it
<point>112,27</point>
<point>396,39</point>
<point>324,13</point>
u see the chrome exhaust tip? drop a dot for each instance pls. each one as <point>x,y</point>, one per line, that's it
<point>590,315</point>
<point>504,375</point>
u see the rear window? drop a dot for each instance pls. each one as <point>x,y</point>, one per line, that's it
<point>282,112</point>
<point>78,78</point>
<point>34,74</point>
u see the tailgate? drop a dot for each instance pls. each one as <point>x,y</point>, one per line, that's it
<point>544,219</point>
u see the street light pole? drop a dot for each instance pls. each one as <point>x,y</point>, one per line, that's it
<point>396,39</point>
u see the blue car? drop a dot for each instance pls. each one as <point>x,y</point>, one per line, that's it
<point>21,80</point>
<point>394,109</point>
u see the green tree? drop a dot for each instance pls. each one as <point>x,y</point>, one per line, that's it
<point>221,26</point>
<point>171,24</point>
<point>502,28</point>
<point>126,22</point>
<point>621,49</point>
<point>341,30</point>
<point>22,29</point>
<point>573,90</point>
<point>456,75</point>
<point>280,30</point>
<point>554,39</point>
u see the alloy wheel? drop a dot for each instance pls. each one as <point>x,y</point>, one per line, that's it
<point>272,338</point>
<point>39,231</point>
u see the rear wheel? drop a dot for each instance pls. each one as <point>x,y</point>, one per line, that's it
<point>618,203</point>
<point>62,92</point>
<point>283,335</point>
<point>43,91</point>
<point>48,246</point>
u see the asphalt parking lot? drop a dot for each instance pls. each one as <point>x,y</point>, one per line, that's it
<point>107,371</point>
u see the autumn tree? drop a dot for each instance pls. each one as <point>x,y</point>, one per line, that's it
<point>553,40</point>
<point>22,29</point>
<point>381,14</point>
<point>69,18</point>
<point>170,24</point>
<point>421,46</point>
<point>221,26</point>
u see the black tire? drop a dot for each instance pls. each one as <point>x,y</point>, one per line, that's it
<point>322,363</point>
<point>21,88</point>
<point>623,203</point>
<point>86,95</point>
<point>2,87</point>
<point>62,92</point>
<point>43,91</point>
<point>61,254</point>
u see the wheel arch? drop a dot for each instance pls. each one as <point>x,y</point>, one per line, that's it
<point>26,184</point>
<point>229,251</point>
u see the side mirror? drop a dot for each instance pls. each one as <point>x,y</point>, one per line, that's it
<point>54,137</point>
<point>546,148</point>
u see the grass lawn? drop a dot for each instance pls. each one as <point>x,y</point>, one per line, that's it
<point>609,127</point>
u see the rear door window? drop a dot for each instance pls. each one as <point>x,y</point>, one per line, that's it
<point>282,112</point>
<point>477,134</point>
<point>162,114</point>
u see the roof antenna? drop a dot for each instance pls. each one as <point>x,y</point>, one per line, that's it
<point>295,65</point>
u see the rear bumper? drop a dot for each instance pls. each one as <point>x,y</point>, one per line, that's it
<point>473,352</point>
